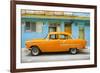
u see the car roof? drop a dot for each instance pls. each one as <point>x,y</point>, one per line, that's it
<point>60,33</point>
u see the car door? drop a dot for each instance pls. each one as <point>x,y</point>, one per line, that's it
<point>64,42</point>
<point>52,43</point>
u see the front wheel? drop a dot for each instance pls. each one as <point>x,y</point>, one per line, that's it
<point>35,51</point>
<point>73,50</point>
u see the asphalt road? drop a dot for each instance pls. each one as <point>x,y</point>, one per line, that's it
<point>47,57</point>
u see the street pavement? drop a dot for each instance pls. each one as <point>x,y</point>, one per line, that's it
<point>26,56</point>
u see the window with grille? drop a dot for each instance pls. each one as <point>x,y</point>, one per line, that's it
<point>33,26</point>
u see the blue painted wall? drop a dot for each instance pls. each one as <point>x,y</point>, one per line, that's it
<point>62,26</point>
<point>33,35</point>
<point>75,30</point>
<point>87,34</point>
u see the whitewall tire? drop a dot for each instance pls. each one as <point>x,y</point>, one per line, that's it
<point>73,50</point>
<point>35,51</point>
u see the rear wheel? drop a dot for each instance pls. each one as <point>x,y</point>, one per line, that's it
<point>35,51</point>
<point>73,50</point>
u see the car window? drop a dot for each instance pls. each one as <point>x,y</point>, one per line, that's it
<point>53,36</point>
<point>62,36</point>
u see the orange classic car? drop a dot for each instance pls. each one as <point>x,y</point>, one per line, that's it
<point>55,42</point>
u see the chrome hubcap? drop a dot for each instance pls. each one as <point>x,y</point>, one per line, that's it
<point>35,51</point>
<point>73,51</point>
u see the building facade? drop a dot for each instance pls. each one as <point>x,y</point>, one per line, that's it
<point>37,24</point>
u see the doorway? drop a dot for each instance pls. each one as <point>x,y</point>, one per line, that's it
<point>52,29</point>
<point>68,28</point>
<point>54,26</point>
<point>81,33</point>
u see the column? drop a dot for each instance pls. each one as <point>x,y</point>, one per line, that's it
<point>87,33</point>
<point>62,26</point>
